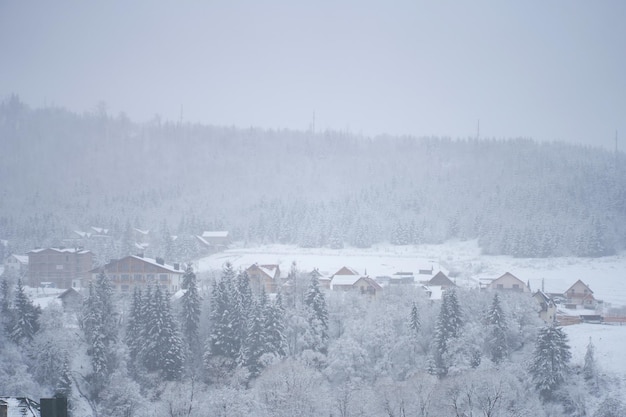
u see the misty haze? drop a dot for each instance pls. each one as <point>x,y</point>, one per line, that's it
<point>276,209</point>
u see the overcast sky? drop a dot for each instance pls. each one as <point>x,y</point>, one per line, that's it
<point>545,70</point>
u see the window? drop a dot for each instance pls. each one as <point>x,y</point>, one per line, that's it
<point>125,277</point>
<point>500,286</point>
<point>137,277</point>
<point>516,286</point>
<point>150,277</point>
<point>163,277</point>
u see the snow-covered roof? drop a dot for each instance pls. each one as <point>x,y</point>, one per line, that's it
<point>143,232</point>
<point>100,230</point>
<point>82,234</point>
<point>20,407</point>
<point>23,259</point>
<point>344,280</point>
<point>210,234</point>
<point>154,262</point>
<point>346,270</point>
<point>61,250</point>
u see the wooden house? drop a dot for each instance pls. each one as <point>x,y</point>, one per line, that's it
<point>580,295</point>
<point>356,283</point>
<point>509,282</point>
<point>138,271</point>
<point>71,300</point>
<point>265,277</point>
<point>59,267</point>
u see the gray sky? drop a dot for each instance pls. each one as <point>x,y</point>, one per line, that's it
<point>546,70</point>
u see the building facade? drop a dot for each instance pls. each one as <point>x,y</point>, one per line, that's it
<point>59,267</point>
<point>137,271</point>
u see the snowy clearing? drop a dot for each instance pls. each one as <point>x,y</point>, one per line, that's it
<point>463,259</point>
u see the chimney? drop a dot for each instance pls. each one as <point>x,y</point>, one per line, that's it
<point>53,407</point>
<point>160,261</point>
<point>177,266</point>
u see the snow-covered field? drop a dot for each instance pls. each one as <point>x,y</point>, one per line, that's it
<point>605,276</point>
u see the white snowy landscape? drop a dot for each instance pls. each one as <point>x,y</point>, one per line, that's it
<point>312,209</point>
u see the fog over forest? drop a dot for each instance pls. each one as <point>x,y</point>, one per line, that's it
<point>228,348</point>
<point>64,171</point>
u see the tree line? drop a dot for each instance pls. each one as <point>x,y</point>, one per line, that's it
<point>233,351</point>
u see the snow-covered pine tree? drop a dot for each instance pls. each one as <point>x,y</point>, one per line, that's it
<point>549,363</point>
<point>414,322</point>
<point>255,342</point>
<point>173,356</point>
<point>496,335</point>
<point>275,326</point>
<point>224,338</point>
<point>25,316</point>
<point>590,371</point>
<point>317,317</point>
<point>64,385</point>
<point>135,326</point>
<point>447,327</point>
<point>6,313</point>
<point>190,310</point>
<point>164,347</point>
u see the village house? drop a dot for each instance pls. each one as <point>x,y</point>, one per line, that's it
<point>266,277</point>
<point>71,300</point>
<point>355,283</point>
<point>16,265</point>
<point>137,271</point>
<point>509,282</point>
<point>440,280</point>
<point>579,295</point>
<point>547,307</point>
<point>59,267</point>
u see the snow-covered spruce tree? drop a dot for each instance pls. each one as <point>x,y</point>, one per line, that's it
<point>255,342</point>
<point>135,328</point>
<point>549,363</point>
<point>25,316</point>
<point>317,317</point>
<point>190,310</point>
<point>590,368</point>
<point>497,330</point>
<point>6,313</point>
<point>64,384</point>
<point>164,348</point>
<point>274,316</point>
<point>414,322</point>
<point>225,334</point>
<point>241,315</point>
<point>100,328</point>
<point>447,327</point>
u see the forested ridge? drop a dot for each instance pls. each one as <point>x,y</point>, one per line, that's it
<point>62,171</point>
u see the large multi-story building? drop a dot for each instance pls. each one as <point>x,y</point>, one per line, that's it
<point>59,267</point>
<point>137,271</point>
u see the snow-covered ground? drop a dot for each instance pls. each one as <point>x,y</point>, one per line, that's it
<point>605,276</point>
